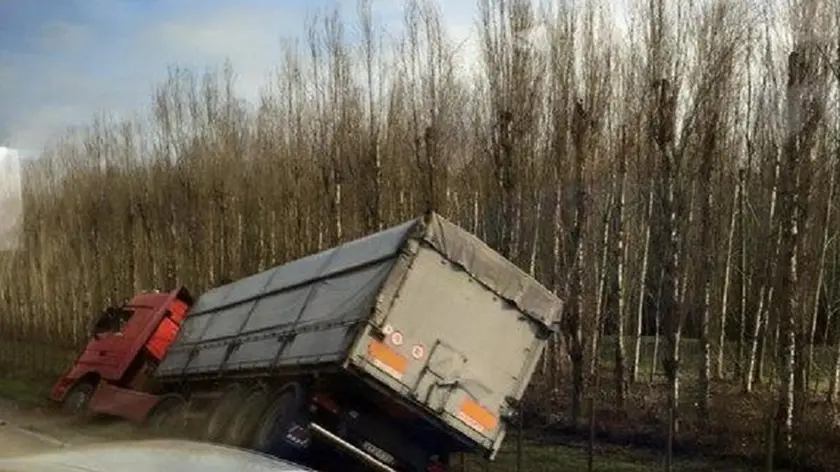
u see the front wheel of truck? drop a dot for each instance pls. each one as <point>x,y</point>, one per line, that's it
<point>75,402</point>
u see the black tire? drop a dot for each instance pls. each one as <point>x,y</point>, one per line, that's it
<point>287,406</point>
<point>241,429</point>
<point>169,415</point>
<point>224,411</point>
<point>75,402</point>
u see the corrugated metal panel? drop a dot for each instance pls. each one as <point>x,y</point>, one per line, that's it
<point>299,312</point>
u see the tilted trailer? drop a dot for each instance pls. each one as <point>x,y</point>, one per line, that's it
<point>397,349</point>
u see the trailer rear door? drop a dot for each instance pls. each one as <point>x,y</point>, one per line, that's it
<point>454,347</point>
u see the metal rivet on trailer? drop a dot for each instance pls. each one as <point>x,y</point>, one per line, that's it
<point>418,351</point>
<point>397,338</point>
<point>387,330</point>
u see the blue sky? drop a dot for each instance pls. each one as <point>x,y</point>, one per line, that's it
<point>61,61</point>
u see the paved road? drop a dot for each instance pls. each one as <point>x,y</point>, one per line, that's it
<point>14,441</point>
<point>27,431</point>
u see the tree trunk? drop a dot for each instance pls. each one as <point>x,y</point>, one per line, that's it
<point>670,303</point>
<point>572,324</point>
<point>640,308</point>
<point>621,257</point>
<point>803,117</point>
<point>820,275</point>
<point>706,268</point>
<point>600,303</point>
<point>834,383</point>
<point>657,326</point>
<point>665,124</point>
<point>557,251</point>
<point>745,281</point>
<point>755,358</point>
<point>535,241</point>
<point>834,379</point>
<point>727,277</point>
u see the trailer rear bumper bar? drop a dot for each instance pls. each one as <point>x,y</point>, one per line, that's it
<point>346,446</point>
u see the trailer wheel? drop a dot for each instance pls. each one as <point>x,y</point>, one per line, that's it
<point>287,407</point>
<point>240,430</point>
<point>77,399</point>
<point>224,411</point>
<point>169,414</point>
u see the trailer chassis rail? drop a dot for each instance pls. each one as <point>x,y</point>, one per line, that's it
<point>346,446</point>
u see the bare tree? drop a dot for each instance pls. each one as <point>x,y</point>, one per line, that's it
<point>633,171</point>
<point>621,267</point>
<point>805,102</point>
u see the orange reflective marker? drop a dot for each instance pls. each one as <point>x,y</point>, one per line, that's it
<point>477,417</point>
<point>388,360</point>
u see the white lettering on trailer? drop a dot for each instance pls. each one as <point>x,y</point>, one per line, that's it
<point>397,338</point>
<point>418,351</point>
<point>378,453</point>
<point>298,436</point>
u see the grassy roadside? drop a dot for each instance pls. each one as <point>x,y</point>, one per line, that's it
<point>26,393</point>
<point>535,458</point>
<point>30,389</point>
<point>571,459</point>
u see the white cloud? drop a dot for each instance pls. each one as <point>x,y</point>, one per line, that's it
<point>11,199</point>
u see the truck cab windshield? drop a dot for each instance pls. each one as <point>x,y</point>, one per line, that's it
<point>112,320</point>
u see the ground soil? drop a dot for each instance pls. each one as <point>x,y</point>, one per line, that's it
<point>26,429</point>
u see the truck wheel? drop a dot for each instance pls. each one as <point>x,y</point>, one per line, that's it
<point>77,399</point>
<point>240,430</point>
<point>168,415</point>
<point>224,410</point>
<point>287,407</point>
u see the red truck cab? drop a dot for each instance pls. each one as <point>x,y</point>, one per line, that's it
<point>126,346</point>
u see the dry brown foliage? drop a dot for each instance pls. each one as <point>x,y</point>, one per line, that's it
<point>526,152</point>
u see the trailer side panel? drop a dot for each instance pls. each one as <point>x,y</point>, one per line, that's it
<point>304,312</point>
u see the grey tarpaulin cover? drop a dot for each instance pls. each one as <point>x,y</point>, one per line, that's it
<point>488,266</point>
<point>307,311</point>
